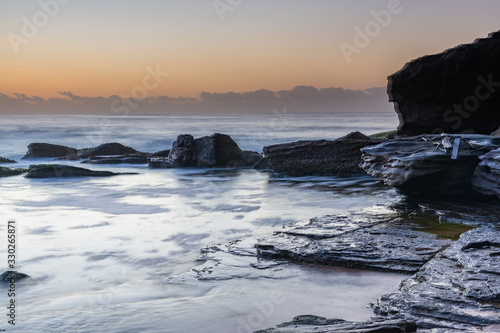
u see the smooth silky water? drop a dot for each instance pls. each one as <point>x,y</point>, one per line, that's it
<point>99,249</point>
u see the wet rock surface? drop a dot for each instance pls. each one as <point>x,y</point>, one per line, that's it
<point>423,165</point>
<point>56,171</point>
<point>309,323</point>
<point>455,91</point>
<point>6,172</point>
<point>458,289</point>
<point>9,276</point>
<point>486,179</point>
<point>117,159</point>
<point>41,150</point>
<point>340,157</point>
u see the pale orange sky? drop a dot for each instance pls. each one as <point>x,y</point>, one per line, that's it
<point>101,48</point>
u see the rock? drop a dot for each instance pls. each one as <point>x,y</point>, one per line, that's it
<point>456,290</point>
<point>377,242</point>
<point>339,157</point>
<point>161,162</point>
<point>162,153</point>
<point>117,159</point>
<point>250,158</point>
<point>107,149</point>
<point>310,324</point>
<point>55,170</point>
<point>422,166</point>
<point>9,276</point>
<point>486,178</point>
<point>6,160</point>
<point>40,150</point>
<point>217,150</point>
<point>451,92</point>
<point>6,172</point>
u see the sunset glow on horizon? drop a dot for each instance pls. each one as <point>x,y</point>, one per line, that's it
<point>93,48</point>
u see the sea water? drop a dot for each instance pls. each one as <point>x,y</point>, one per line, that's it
<point>99,250</point>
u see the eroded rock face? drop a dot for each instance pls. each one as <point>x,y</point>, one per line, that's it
<point>40,150</point>
<point>217,150</point>
<point>486,179</point>
<point>457,91</point>
<point>338,157</point>
<point>106,149</point>
<point>423,166</point>
<point>56,171</point>
<point>311,324</point>
<point>458,289</point>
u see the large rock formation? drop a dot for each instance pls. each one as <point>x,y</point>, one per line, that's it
<point>217,150</point>
<point>40,150</point>
<point>423,165</point>
<point>338,157</point>
<point>486,179</point>
<point>456,91</point>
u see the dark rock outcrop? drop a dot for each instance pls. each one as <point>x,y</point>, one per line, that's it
<point>486,179</point>
<point>57,170</point>
<point>423,165</point>
<point>250,158</point>
<point>217,150</point>
<point>458,289</point>
<point>311,324</point>
<point>339,157</point>
<point>161,153</point>
<point>40,150</point>
<point>9,276</point>
<point>457,91</point>
<point>6,172</point>
<point>6,160</point>
<point>117,159</point>
<point>106,149</point>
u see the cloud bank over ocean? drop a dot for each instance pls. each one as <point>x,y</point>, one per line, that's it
<point>300,99</point>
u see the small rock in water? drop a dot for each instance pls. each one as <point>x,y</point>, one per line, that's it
<point>9,276</point>
<point>6,160</point>
<point>55,171</point>
<point>117,159</point>
<point>6,172</point>
<point>113,148</point>
<point>41,150</point>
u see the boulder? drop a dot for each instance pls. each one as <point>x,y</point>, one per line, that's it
<point>486,179</point>
<point>56,170</point>
<point>107,149</point>
<point>457,91</point>
<point>6,160</point>
<point>217,150</point>
<point>117,159</point>
<point>162,153</point>
<point>312,324</point>
<point>40,150</point>
<point>340,157</point>
<point>250,158</point>
<point>459,289</point>
<point>423,165</point>
<point>6,172</point>
<point>9,276</point>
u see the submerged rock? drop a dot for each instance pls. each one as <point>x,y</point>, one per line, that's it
<point>217,150</point>
<point>340,157</point>
<point>6,172</point>
<point>312,324</point>
<point>6,160</point>
<point>117,159</point>
<point>56,170</point>
<point>458,289</point>
<point>486,179</point>
<point>106,149</point>
<point>40,150</point>
<point>423,165</point>
<point>456,91</point>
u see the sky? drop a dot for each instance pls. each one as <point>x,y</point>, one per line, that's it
<point>249,55</point>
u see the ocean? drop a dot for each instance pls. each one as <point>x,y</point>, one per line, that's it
<point>100,250</point>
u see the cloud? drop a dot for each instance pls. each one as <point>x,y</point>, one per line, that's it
<point>300,99</point>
